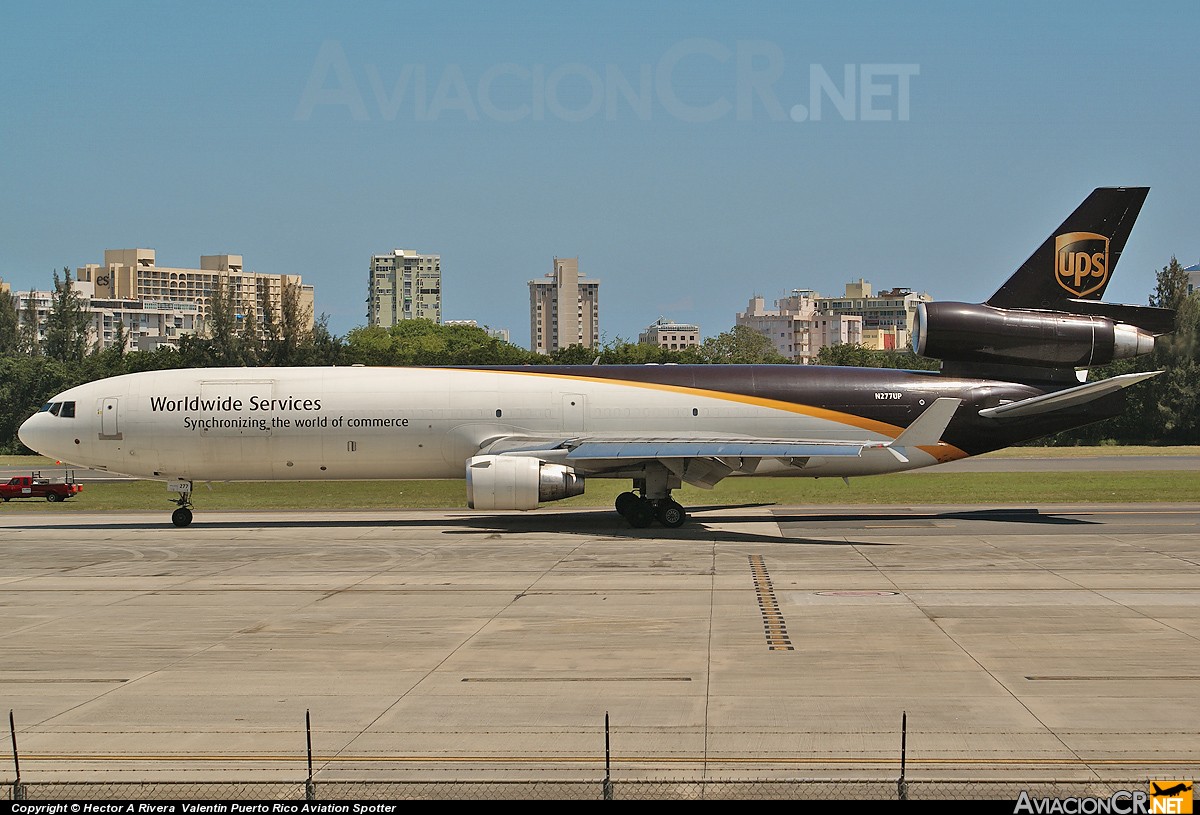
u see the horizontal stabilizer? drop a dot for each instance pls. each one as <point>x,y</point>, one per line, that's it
<point>927,430</point>
<point>1070,397</point>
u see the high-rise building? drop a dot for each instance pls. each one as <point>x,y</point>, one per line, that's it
<point>404,285</point>
<point>564,309</point>
<point>670,335</point>
<point>131,274</point>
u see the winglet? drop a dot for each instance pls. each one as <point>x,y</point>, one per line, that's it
<point>928,428</point>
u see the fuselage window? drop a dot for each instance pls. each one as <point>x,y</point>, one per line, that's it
<point>498,413</point>
<point>68,411</point>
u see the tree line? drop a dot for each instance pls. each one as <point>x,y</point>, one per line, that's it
<point>1162,410</point>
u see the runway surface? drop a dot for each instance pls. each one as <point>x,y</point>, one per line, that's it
<point>757,642</point>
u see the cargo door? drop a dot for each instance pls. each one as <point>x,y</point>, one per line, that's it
<point>236,431</point>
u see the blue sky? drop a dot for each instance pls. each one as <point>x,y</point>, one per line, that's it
<point>692,155</point>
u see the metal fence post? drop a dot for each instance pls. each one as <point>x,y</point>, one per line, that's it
<point>901,784</point>
<point>18,787</point>
<point>608,787</point>
<point>310,792</point>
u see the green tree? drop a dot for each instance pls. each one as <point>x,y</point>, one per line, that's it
<point>1174,412</point>
<point>859,356</point>
<point>271,335</point>
<point>424,342</point>
<point>321,346</point>
<point>26,383</point>
<point>740,345</point>
<point>574,355</point>
<point>68,321</point>
<point>221,329</point>
<point>9,332</point>
<point>28,340</point>
<point>120,340</point>
<point>250,341</point>
<point>293,325</point>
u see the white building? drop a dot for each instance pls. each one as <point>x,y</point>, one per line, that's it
<point>148,323</point>
<point>796,328</point>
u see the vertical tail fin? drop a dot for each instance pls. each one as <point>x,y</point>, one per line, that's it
<point>1077,260</point>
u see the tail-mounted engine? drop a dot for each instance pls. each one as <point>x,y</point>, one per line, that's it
<point>518,482</point>
<point>976,333</point>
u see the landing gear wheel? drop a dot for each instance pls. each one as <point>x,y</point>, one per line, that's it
<point>53,497</point>
<point>181,516</point>
<point>640,515</point>
<point>671,514</point>
<point>625,503</point>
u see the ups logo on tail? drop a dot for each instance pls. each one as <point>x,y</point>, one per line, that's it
<point>1081,262</point>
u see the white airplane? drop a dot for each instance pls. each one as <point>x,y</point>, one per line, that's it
<point>522,435</point>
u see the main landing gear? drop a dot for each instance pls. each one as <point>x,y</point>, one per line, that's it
<point>183,515</point>
<point>641,512</point>
<point>652,501</point>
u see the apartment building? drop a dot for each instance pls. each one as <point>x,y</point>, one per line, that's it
<point>564,309</point>
<point>890,312</point>
<point>148,323</point>
<point>133,275</point>
<point>796,328</point>
<point>404,285</point>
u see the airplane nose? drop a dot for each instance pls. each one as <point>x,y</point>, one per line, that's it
<point>32,433</point>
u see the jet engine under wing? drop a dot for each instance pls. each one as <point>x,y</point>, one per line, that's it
<point>1070,397</point>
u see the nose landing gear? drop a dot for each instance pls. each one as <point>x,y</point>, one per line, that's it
<point>183,515</point>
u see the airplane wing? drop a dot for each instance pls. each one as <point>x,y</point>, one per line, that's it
<point>704,461</point>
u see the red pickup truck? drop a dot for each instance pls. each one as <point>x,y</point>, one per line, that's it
<point>34,486</point>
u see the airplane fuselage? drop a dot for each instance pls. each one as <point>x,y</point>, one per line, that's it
<point>347,423</point>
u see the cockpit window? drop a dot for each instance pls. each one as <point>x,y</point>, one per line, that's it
<point>55,407</point>
<point>68,411</point>
<point>45,407</point>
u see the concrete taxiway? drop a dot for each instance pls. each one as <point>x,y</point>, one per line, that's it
<point>1044,642</point>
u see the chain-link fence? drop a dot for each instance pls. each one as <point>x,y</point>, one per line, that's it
<point>650,785</point>
<point>581,790</point>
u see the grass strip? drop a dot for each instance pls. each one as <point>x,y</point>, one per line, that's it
<point>901,488</point>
